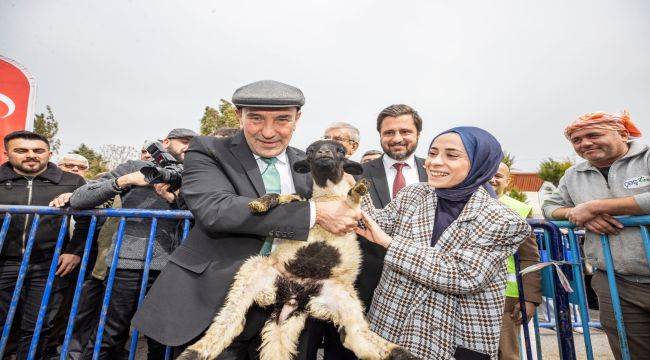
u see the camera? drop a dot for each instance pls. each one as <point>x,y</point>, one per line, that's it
<point>167,169</point>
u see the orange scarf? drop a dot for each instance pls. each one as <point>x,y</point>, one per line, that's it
<point>606,121</point>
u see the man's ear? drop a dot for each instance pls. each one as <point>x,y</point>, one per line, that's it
<point>239,116</point>
<point>352,167</point>
<point>301,166</point>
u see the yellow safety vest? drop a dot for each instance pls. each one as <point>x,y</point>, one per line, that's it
<point>523,210</point>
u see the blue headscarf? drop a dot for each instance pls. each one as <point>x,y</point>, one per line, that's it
<point>485,155</point>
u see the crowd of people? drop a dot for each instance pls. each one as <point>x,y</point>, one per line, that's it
<point>439,236</point>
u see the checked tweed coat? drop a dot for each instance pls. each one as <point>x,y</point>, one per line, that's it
<point>433,299</point>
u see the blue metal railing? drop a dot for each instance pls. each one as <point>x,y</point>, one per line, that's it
<point>628,221</point>
<point>553,247</point>
<point>552,250</point>
<point>65,214</point>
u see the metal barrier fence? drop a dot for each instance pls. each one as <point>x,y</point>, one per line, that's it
<point>576,264</point>
<point>552,248</point>
<point>65,214</point>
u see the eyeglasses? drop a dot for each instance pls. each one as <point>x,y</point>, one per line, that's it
<point>339,139</point>
<point>72,166</point>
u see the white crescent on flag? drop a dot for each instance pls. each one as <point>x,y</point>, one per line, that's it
<point>10,105</point>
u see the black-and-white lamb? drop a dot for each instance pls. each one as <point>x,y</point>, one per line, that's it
<point>303,278</point>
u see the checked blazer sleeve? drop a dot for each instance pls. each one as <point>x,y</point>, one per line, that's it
<point>465,269</point>
<point>385,217</point>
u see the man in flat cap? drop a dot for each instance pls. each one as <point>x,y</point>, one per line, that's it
<point>222,175</point>
<point>127,181</point>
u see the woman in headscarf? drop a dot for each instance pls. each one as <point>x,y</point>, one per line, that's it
<point>441,292</point>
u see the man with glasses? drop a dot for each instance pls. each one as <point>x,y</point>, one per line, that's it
<point>74,163</point>
<point>345,134</point>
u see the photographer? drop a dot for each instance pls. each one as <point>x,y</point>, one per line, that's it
<point>128,181</point>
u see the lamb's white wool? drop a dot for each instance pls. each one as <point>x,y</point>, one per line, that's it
<point>336,301</point>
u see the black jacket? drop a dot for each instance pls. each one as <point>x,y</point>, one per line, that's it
<point>18,190</point>
<point>220,178</point>
<point>373,254</point>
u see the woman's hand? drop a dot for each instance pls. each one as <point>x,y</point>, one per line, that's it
<point>373,232</point>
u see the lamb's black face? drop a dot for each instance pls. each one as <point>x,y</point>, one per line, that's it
<point>326,161</point>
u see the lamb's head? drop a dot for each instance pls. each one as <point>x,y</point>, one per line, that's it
<point>326,161</point>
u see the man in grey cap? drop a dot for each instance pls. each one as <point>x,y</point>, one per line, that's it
<point>222,175</point>
<point>127,181</point>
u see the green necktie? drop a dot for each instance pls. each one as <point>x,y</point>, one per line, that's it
<point>272,184</point>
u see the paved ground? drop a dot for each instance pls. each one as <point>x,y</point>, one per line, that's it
<point>549,346</point>
<point>598,341</point>
<point>548,338</point>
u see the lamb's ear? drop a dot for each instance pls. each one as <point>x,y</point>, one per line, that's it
<point>301,166</point>
<point>352,167</point>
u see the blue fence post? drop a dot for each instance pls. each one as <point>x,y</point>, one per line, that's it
<point>645,236</point>
<point>553,244</point>
<point>5,229</point>
<point>186,229</point>
<point>79,286</point>
<point>48,288</point>
<point>613,292</point>
<point>109,288</point>
<point>22,272</point>
<point>145,281</point>
<point>522,306</point>
<point>538,340</point>
<point>562,313</point>
<point>578,276</point>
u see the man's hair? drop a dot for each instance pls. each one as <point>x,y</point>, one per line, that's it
<point>225,132</point>
<point>74,157</point>
<point>27,135</point>
<point>354,132</point>
<point>372,152</point>
<point>399,110</point>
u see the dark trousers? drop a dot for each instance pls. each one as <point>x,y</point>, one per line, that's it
<point>87,319</point>
<point>122,307</point>
<point>245,346</point>
<point>333,348</point>
<point>30,302</point>
<point>635,304</point>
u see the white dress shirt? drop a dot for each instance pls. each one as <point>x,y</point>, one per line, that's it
<point>409,171</point>
<point>286,180</point>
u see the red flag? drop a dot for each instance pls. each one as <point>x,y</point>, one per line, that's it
<point>17,90</point>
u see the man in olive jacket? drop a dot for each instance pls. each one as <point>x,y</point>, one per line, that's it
<point>28,178</point>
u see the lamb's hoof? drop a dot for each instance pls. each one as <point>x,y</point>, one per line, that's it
<point>399,353</point>
<point>190,355</point>
<point>258,207</point>
<point>361,187</point>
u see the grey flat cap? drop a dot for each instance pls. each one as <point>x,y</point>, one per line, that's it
<point>181,133</point>
<point>268,94</point>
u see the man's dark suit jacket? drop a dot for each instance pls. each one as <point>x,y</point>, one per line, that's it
<point>373,254</point>
<point>220,178</point>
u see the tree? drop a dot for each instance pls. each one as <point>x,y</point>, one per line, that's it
<point>214,119</point>
<point>508,159</point>
<point>518,195</point>
<point>45,124</point>
<point>552,170</point>
<point>113,155</point>
<point>95,160</point>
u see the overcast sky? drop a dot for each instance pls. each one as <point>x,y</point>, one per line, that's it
<point>119,72</point>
